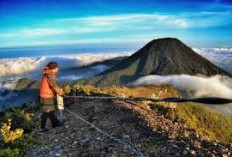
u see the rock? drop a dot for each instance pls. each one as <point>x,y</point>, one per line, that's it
<point>57,147</point>
<point>197,144</point>
<point>185,152</point>
<point>85,141</point>
<point>50,153</point>
<point>126,136</point>
<point>170,141</point>
<point>175,146</point>
<point>229,154</point>
<point>193,152</point>
<point>177,154</point>
<point>57,154</point>
<point>230,145</point>
<point>137,135</point>
<point>74,143</point>
<point>215,143</point>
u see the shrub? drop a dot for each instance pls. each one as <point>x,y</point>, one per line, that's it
<point>13,141</point>
<point>67,90</point>
<point>87,89</point>
<point>17,148</point>
<point>8,152</point>
<point>23,143</point>
<point>8,135</point>
<point>21,119</point>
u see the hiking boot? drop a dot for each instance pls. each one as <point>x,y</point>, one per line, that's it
<point>44,130</point>
<point>58,124</point>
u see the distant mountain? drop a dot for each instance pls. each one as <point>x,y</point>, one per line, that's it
<point>161,57</point>
<point>90,70</point>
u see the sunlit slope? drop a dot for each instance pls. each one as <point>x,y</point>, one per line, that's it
<point>161,57</point>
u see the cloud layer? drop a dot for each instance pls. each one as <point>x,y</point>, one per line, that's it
<point>218,86</point>
<point>26,66</point>
<point>222,57</point>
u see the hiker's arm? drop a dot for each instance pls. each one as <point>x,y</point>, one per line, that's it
<point>53,82</point>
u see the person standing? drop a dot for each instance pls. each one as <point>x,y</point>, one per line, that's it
<point>48,91</point>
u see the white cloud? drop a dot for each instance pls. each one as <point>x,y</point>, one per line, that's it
<point>8,35</point>
<point>120,26</point>
<point>81,30</point>
<point>34,32</point>
<point>218,86</point>
<point>179,20</point>
<point>16,66</point>
<point>98,24</point>
<point>42,32</point>
<point>128,19</point>
<point>222,57</point>
<point>26,65</point>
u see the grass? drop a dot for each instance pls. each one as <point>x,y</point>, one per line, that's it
<point>202,119</point>
<point>133,91</point>
<point>206,121</point>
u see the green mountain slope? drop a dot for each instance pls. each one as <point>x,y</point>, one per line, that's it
<point>161,57</point>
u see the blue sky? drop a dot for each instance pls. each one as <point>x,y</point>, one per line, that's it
<point>117,22</point>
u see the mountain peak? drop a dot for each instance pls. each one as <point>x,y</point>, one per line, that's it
<point>165,41</point>
<point>166,56</point>
<point>168,39</point>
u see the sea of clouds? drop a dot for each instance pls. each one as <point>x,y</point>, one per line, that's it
<point>13,69</point>
<point>194,86</point>
<point>32,66</point>
<point>222,57</point>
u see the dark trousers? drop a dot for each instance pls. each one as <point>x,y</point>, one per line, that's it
<point>51,116</point>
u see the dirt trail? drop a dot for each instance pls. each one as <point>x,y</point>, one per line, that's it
<point>138,127</point>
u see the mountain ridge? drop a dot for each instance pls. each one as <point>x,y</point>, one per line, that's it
<point>166,56</point>
<point>155,129</point>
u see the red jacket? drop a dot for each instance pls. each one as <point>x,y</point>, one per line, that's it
<point>48,85</point>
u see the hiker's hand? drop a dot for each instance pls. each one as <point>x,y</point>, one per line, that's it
<point>62,95</point>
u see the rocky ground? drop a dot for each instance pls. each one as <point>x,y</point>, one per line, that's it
<point>144,129</point>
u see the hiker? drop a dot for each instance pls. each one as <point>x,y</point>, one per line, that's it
<point>48,90</point>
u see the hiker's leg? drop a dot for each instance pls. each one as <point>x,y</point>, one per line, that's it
<point>53,118</point>
<point>44,118</point>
